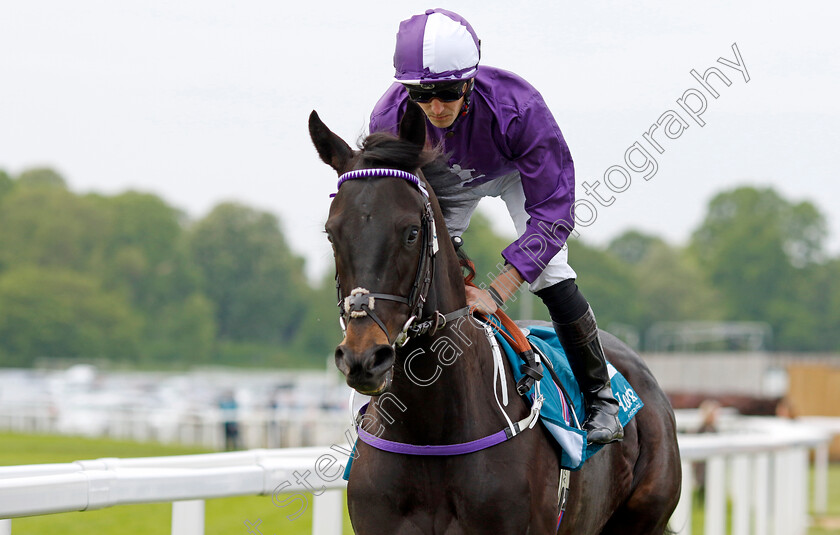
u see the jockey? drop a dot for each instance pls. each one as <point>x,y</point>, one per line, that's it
<point>499,139</point>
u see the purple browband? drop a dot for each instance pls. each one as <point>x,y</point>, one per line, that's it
<point>368,173</point>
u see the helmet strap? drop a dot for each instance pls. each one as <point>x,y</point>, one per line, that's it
<point>467,94</point>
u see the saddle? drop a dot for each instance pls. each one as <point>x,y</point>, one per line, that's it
<point>563,407</point>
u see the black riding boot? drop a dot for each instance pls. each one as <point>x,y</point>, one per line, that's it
<point>575,325</point>
<point>583,346</point>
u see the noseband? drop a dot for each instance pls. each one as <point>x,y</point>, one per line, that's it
<point>362,302</point>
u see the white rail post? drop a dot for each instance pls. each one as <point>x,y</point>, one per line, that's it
<point>327,513</point>
<point>781,505</point>
<point>801,460</point>
<point>681,519</point>
<point>715,518</point>
<point>5,527</point>
<point>188,517</point>
<point>821,478</point>
<point>762,493</point>
<point>741,495</point>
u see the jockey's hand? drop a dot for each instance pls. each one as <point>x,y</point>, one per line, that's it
<point>480,300</point>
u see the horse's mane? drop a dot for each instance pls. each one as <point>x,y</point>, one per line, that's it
<point>382,149</point>
<point>467,266</point>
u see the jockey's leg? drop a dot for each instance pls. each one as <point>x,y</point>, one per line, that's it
<point>575,325</point>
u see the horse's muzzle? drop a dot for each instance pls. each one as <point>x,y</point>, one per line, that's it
<point>369,371</point>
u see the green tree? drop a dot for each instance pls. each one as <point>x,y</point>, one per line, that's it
<point>319,333</point>
<point>828,281</point>
<point>6,184</point>
<point>256,283</point>
<point>182,332</point>
<point>672,287</point>
<point>145,251</point>
<point>808,322</point>
<point>756,248</point>
<point>51,227</point>
<point>607,283</point>
<point>145,221</point>
<point>633,246</point>
<point>484,247</point>
<point>145,256</point>
<point>53,312</point>
<point>41,177</point>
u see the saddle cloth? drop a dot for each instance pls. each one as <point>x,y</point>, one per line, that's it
<point>556,413</point>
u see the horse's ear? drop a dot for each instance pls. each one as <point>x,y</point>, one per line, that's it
<point>331,148</point>
<point>413,124</point>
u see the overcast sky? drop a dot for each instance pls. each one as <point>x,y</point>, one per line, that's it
<point>206,101</point>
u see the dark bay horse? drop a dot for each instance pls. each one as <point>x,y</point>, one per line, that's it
<point>394,261</point>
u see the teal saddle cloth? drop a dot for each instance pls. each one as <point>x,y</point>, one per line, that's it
<point>556,413</point>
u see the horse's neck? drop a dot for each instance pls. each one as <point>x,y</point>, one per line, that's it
<point>443,389</point>
<point>443,385</point>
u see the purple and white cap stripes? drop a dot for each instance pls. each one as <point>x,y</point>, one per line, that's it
<point>437,46</point>
<point>369,173</point>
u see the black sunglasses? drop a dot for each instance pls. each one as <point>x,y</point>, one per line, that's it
<point>446,92</point>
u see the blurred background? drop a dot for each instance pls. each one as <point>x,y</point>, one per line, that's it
<point>163,273</point>
<point>162,208</point>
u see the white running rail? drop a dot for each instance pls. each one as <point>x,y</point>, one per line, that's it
<point>763,469</point>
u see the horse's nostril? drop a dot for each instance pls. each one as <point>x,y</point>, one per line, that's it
<point>340,361</point>
<point>383,357</point>
<point>370,364</point>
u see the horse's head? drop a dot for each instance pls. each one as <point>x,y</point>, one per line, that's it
<point>383,235</point>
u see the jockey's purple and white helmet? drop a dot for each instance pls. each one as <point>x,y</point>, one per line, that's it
<point>437,46</point>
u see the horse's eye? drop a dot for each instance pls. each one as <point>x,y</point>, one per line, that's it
<point>330,239</point>
<point>411,235</point>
